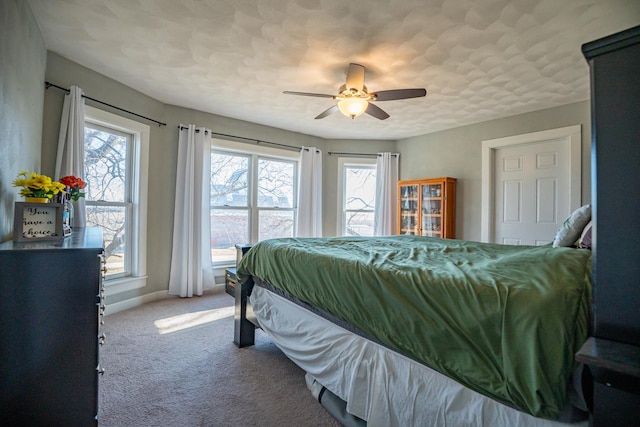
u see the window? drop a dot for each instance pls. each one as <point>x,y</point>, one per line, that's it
<point>276,185</point>
<point>115,169</point>
<point>356,196</point>
<point>107,169</point>
<point>253,197</point>
<point>229,204</point>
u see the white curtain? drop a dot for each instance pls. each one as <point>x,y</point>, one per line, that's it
<point>310,193</point>
<point>386,212</point>
<point>70,157</point>
<point>191,269</point>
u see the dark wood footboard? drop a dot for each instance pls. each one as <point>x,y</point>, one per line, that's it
<point>244,320</point>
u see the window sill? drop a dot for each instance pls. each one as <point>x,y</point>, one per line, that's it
<point>124,284</point>
<point>223,264</point>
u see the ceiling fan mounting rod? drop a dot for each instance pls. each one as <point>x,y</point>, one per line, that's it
<point>353,92</point>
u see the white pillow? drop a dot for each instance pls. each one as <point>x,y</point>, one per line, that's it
<point>584,242</point>
<point>572,227</point>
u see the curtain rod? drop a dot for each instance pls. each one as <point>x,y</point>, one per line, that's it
<point>257,141</point>
<point>360,154</point>
<point>48,85</point>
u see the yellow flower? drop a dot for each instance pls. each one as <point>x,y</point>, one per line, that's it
<point>36,185</point>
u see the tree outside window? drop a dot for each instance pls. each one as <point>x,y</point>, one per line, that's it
<point>252,199</point>
<point>358,199</point>
<point>108,203</point>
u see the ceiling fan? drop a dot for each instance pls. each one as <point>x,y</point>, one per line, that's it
<point>354,99</point>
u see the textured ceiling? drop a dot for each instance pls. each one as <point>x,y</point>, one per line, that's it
<point>478,60</point>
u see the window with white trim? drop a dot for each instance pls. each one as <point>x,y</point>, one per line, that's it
<point>253,197</point>
<point>356,196</point>
<point>116,153</point>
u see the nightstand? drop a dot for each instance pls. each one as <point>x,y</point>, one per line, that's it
<point>615,368</point>
<point>230,281</point>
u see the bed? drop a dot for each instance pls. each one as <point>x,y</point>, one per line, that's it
<point>412,330</point>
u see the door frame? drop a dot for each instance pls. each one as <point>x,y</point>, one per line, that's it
<point>571,134</point>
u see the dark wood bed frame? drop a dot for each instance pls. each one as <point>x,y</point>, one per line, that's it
<point>244,320</point>
<point>613,352</point>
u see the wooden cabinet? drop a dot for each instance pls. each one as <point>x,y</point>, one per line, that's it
<point>50,311</point>
<point>614,63</point>
<point>427,207</point>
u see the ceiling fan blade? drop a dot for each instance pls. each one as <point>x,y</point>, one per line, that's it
<point>377,112</point>
<point>390,95</point>
<point>355,77</point>
<point>327,112</point>
<point>319,95</point>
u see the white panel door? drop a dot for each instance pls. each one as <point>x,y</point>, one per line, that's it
<point>531,191</point>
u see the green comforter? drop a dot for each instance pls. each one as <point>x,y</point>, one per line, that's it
<point>503,320</point>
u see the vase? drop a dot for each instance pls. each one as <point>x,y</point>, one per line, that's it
<point>36,199</point>
<point>67,217</point>
<point>71,213</point>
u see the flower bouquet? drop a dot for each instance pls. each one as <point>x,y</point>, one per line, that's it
<point>74,184</point>
<point>38,186</point>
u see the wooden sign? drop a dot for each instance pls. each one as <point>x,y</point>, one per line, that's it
<point>34,222</point>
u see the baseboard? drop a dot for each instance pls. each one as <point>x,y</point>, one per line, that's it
<point>136,301</point>
<point>147,298</point>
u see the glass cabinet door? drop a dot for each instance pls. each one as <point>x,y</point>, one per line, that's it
<point>409,209</point>
<point>432,210</point>
<point>426,207</point>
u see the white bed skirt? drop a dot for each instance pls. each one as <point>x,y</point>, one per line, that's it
<point>379,385</point>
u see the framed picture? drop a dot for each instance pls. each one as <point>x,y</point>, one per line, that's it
<point>35,222</point>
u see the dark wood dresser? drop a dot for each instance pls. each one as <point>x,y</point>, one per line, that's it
<point>50,314</point>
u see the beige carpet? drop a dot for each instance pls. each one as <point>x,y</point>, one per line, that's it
<point>173,363</point>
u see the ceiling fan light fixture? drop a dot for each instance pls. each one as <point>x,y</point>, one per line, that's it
<point>354,99</point>
<point>353,106</point>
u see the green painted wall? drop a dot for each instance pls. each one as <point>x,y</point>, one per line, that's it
<point>457,153</point>
<point>22,65</point>
<point>163,150</point>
